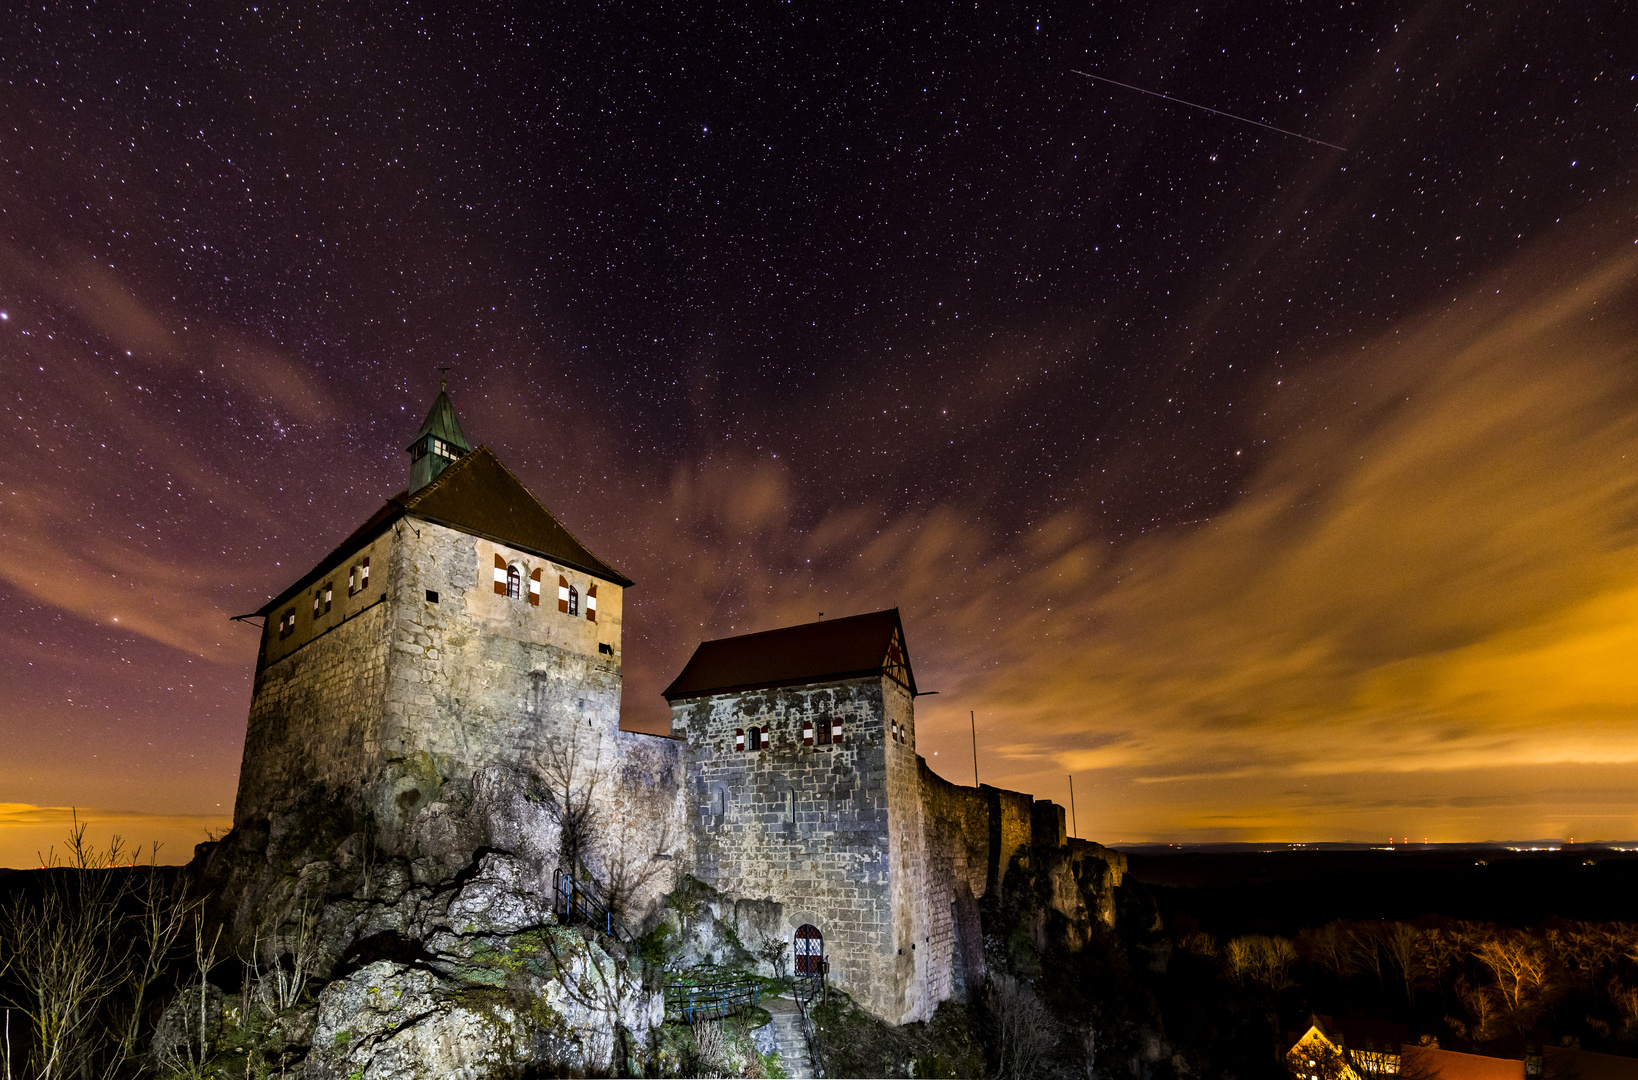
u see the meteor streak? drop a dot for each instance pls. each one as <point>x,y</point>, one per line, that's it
<point>1208,108</point>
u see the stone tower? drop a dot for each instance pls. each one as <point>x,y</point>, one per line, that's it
<point>805,789</point>
<point>418,677</point>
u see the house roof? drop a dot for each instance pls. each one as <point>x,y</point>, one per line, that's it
<point>476,494</point>
<point>1586,1065</point>
<point>1450,1065</point>
<point>822,651</point>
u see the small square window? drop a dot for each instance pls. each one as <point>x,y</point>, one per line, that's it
<point>432,596</point>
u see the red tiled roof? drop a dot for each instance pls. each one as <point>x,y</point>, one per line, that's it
<point>1424,1061</point>
<point>1586,1065</point>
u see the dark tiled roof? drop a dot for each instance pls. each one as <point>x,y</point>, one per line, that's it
<point>793,655</point>
<point>477,494</point>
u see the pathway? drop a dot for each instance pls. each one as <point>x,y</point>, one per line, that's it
<point>787,1027</point>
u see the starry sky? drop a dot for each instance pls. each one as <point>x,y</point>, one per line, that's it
<point>1274,491</point>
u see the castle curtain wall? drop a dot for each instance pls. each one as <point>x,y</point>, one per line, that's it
<point>921,968</point>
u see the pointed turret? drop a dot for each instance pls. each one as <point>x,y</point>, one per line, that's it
<point>439,442</point>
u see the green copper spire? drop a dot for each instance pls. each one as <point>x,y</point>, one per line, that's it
<point>439,442</point>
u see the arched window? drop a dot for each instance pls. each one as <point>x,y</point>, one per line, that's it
<point>514,583</point>
<point>574,600</point>
<point>759,738</point>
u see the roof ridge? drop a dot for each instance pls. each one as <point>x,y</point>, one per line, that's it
<point>547,512</point>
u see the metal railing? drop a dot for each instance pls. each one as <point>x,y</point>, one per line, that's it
<point>712,1001</point>
<point>806,988</point>
<point>578,900</point>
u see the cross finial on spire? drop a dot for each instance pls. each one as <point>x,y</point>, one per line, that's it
<point>443,379</point>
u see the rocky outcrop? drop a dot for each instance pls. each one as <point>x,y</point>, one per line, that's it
<point>425,967</point>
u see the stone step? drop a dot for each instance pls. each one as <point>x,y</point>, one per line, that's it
<point>787,1030</point>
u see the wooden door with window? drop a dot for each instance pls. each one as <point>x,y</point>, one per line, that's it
<point>810,950</point>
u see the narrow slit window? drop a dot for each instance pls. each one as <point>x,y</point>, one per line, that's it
<point>790,806</point>
<point>574,600</point>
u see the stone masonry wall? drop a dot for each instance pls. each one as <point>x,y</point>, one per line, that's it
<point>921,978</point>
<point>456,724</point>
<point>806,828</point>
<point>315,717</point>
<point>525,692</point>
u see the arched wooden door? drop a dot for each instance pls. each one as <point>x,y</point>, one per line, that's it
<point>810,950</point>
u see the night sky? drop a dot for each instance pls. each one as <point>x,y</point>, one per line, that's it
<point>1272,490</point>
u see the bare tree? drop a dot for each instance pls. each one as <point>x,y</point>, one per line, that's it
<point>84,955</point>
<point>1265,961</point>
<point>1523,972</point>
<point>572,782</point>
<point>633,858</point>
<point>1329,947</point>
<point>1369,952</point>
<point>1399,943</point>
<point>1023,1027</point>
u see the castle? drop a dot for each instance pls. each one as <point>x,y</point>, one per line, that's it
<point>451,674</point>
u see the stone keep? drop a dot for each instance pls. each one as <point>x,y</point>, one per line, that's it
<point>460,635</point>
<point>804,789</point>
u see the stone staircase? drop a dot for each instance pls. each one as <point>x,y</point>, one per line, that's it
<point>787,1029</point>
